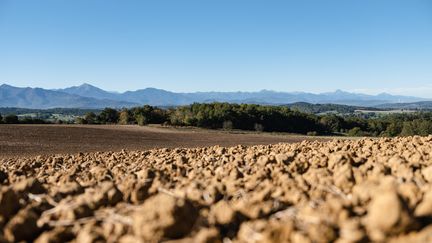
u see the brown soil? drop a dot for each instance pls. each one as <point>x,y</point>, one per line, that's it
<point>338,191</point>
<point>22,140</point>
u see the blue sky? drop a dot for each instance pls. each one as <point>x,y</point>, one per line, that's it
<point>225,45</point>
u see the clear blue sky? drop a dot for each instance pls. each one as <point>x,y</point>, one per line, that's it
<point>369,45</point>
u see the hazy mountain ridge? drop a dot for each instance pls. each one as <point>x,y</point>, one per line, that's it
<point>38,98</point>
<point>89,96</point>
<point>162,97</point>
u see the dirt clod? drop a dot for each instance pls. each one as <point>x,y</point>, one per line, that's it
<point>8,202</point>
<point>57,235</point>
<point>22,227</point>
<point>164,216</point>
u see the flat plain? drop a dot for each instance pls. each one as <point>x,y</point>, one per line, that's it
<point>29,140</point>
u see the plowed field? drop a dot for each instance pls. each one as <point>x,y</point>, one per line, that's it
<point>337,191</point>
<point>23,140</point>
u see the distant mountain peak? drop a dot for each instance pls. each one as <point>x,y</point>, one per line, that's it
<point>384,94</point>
<point>155,89</point>
<point>342,92</point>
<point>89,91</point>
<point>86,86</point>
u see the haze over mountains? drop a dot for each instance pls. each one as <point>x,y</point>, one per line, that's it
<point>88,96</point>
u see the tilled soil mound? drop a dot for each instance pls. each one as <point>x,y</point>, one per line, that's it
<point>342,191</point>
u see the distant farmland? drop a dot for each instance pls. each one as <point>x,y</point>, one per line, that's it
<point>24,140</point>
<point>386,112</point>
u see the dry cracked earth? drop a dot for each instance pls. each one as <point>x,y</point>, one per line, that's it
<point>339,191</point>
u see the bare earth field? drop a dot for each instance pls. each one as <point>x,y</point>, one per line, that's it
<point>23,140</point>
<point>360,190</point>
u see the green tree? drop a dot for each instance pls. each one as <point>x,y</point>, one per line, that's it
<point>408,129</point>
<point>355,132</point>
<point>392,130</point>
<point>90,118</point>
<point>332,122</point>
<point>124,117</point>
<point>80,120</point>
<point>148,114</point>
<point>11,119</point>
<point>108,116</point>
<point>424,127</point>
<point>141,120</point>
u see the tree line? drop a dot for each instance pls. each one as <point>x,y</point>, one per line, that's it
<point>254,118</point>
<point>138,115</point>
<point>267,118</point>
<point>14,119</point>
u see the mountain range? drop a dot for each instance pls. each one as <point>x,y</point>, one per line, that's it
<point>89,96</point>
